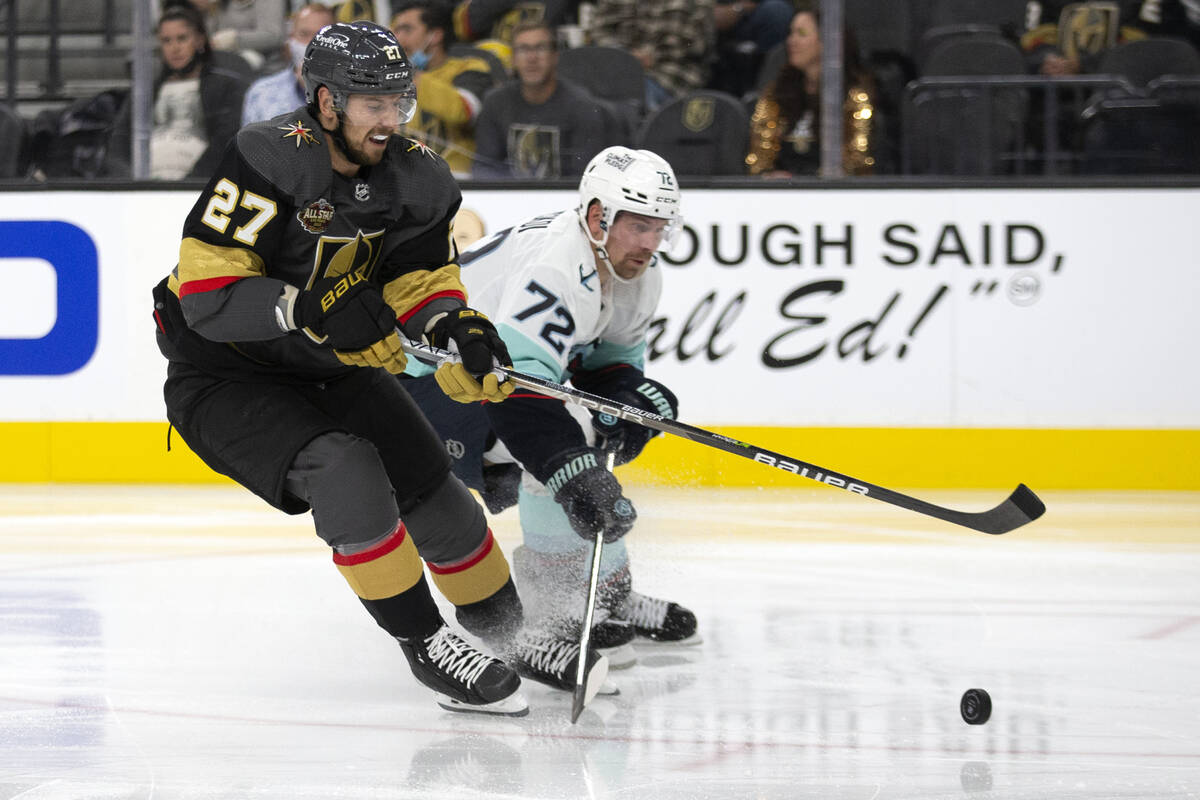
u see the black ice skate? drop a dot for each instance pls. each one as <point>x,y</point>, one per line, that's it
<point>658,620</point>
<point>548,659</point>
<point>463,677</point>
<point>611,637</point>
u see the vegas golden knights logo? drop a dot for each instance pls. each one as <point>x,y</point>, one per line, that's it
<point>339,255</point>
<point>355,257</point>
<point>698,113</point>
<point>1088,28</point>
<point>535,151</point>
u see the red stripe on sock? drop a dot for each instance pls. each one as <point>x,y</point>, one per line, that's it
<point>470,561</point>
<point>394,540</point>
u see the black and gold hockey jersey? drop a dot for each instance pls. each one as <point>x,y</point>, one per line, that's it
<point>1083,29</point>
<point>448,101</point>
<point>276,213</point>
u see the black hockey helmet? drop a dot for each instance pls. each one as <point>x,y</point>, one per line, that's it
<point>357,58</point>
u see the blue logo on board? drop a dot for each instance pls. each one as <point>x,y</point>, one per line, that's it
<point>71,342</point>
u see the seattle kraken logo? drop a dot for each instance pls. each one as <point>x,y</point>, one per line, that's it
<point>585,278</point>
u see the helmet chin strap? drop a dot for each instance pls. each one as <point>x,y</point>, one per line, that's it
<point>599,246</point>
<point>601,250</point>
<point>339,138</point>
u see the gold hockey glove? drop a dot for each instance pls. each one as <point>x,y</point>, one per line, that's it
<point>387,354</point>
<point>460,385</point>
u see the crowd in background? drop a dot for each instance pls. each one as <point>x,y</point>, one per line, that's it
<point>729,87</point>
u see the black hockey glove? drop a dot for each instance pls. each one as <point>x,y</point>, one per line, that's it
<point>624,438</point>
<point>475,337</point>
<point>348,310</point>
<point>591,495</point>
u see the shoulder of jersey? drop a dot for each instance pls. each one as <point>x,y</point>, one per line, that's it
<point>420,174</point>
<point>289,151</point>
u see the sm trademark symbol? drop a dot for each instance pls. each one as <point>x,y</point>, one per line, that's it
<point>50,310</point>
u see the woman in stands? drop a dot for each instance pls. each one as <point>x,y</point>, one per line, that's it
<point>785,128</point>
<point>254,29</point>
<point>196,107</point>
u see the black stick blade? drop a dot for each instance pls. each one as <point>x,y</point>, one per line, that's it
<point>1029,503</point>
<point>577,700</point>
<point>1021,507</point>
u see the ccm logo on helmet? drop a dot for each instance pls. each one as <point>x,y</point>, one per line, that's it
<point>393,75</point>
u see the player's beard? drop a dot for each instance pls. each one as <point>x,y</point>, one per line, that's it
<point>631,269</point>
<point>355,154</point>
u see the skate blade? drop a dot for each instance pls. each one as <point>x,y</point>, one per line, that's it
<point>620,657</point>
<point>691,641</point>
<point>515,705</point>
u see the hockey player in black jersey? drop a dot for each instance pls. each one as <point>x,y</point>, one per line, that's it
<point>320,234</point>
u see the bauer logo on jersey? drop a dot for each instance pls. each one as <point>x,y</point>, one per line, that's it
<point>316,216</point>
<point>300,133</point>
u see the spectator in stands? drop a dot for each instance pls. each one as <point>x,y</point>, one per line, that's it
<point>746,31</point>
<point>352,10</point>
<point>537,126</point>
<point>1067,37</point>
<point>785,127</point>
<point>498,19</point>
<point>674,40</point>
<point>196,107</point>
<point>283,91</point>
<point>449,90</point>
<point>251,28</point>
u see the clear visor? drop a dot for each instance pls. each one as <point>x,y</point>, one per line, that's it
<point>379,110</point>
<point>660,231</point>
<point>671,233</point>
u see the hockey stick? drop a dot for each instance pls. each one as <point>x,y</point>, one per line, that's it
<point>1019,508</point>
<point>585,635</point>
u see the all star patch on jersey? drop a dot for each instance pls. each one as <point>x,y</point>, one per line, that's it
<point>299,132</point>
<point>316,216</point>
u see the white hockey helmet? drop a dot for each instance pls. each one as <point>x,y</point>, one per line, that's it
<point>637,181</point>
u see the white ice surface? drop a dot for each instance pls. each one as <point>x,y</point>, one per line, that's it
<point>176,643</point>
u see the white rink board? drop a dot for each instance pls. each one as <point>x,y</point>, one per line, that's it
<point>972,308</point>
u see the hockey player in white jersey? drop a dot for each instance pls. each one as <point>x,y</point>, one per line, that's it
<point>573,294</point>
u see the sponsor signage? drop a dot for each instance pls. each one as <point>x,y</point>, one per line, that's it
<point>1056,308</point>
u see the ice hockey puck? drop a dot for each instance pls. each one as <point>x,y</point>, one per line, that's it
<point>975,707</point>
